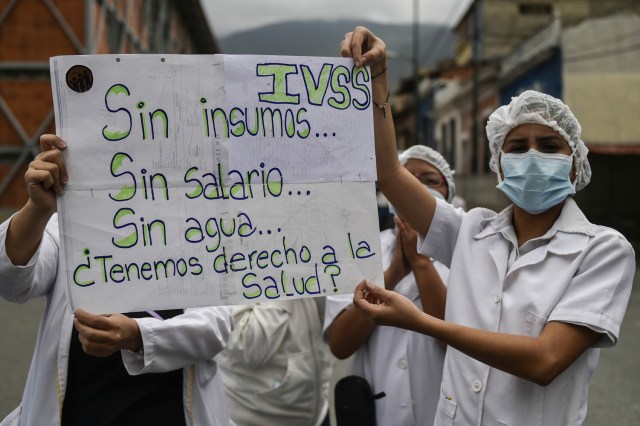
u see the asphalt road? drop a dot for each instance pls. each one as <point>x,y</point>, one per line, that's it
<point>614,394</point>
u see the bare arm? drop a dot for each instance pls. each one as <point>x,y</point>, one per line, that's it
<point>398,267</point>
<point>433,292</point>
<point>348,332</point>
<point>537,359</point>
<point>45,179</point>
<point>401,189</point>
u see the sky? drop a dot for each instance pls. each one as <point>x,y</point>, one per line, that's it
<point>229,16</point>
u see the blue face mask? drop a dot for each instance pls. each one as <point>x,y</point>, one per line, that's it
<point>535,181</point>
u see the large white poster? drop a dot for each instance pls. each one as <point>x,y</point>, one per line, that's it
<point>214,179</point>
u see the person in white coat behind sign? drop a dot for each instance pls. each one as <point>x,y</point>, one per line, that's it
<point>534,291</point>
<point>108,370</point>
<point>406,366</point>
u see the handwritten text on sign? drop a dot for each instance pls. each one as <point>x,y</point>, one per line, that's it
<point>207,180</point>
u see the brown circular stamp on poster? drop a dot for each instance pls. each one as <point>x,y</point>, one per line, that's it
<point>79,78</point>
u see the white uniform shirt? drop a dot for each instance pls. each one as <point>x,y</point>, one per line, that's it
<point>187,342</point>
<point>276,368</point>
<point>406,365</point>
<point>576,273</point>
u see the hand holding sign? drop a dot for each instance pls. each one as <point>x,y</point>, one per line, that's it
<point>102,335</point>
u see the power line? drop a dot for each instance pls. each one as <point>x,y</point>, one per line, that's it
<point>439,36</point>
<point>604,54</point>
<point>617,39</point>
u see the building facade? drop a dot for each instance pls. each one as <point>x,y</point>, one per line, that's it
<point>496,27</point>
<point>592,64</point>
<point>601,83</point>
<point>32,31</point>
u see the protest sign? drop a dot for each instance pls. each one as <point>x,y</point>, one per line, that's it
<point>200,180</point>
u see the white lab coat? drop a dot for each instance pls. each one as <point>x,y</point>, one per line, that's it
<point>276,368</point>
<point>188,341</point>
<point>406,365</point>
<point>576,273</point>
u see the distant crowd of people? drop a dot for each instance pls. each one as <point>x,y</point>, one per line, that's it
<point>483,318</point>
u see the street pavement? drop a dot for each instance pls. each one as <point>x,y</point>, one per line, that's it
<point>614,394</point>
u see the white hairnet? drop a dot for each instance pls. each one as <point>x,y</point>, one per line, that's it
<point>433,157</point>
<point>533,107</point>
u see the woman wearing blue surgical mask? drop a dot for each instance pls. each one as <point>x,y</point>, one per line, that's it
<point>533,291</point>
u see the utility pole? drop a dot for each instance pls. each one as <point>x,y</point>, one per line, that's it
<point>475,58</point>
<point>416,72</point>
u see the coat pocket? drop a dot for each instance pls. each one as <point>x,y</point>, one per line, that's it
<point>446,412</point>
<point>297,387</point>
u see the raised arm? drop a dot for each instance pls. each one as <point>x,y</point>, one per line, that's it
<point>433,292</point>
<point>45,179</point>
<point>401,189</point>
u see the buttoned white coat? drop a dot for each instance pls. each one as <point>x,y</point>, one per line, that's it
<point>405,365</point>
<point>576,273</point>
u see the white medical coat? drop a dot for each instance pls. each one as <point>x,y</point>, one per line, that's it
<point>276,367</point>
<point>188,341</point>
<point>576,273</point>
<point>406,365</point>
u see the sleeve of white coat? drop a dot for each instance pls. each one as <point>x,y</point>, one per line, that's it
<point>332,308</point>
<point>197,335</point>
<point>259,330</point>
<point>598,294</point>
<point>19,284</point>
<point>443,233</point>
